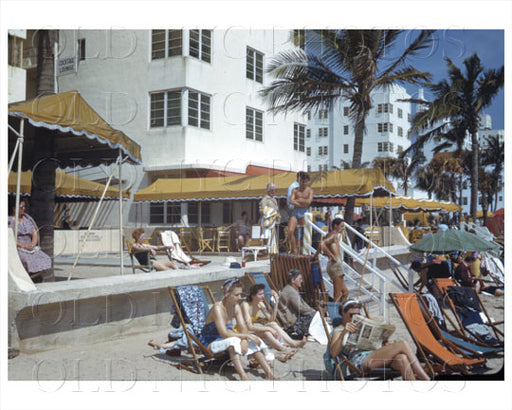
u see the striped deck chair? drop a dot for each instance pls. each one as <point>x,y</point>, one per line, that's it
<point>192,308</point>
<point>437,357</point>
<point>463,344</point>
<point>344,369</point>
<point>444,285</point>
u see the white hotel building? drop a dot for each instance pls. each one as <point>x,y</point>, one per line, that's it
<point>190,99</point>
<point>330,135</point>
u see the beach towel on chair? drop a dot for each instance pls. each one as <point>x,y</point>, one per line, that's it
<point>170,238</point>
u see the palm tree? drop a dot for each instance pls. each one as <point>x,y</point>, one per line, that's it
<point>461,100</point>
<point>494,155</point>
<point>342,65</point>
<point>42,198</point>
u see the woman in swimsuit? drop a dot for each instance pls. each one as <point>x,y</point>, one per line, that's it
<point>260,322</point>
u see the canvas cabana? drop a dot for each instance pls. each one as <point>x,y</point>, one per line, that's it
<point>67,188</point>
<point>79,137</point>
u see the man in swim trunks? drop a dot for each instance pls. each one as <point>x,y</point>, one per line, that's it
<point>330,246</point>
<point>301,198</point>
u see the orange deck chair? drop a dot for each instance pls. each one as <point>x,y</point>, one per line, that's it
<point>443,360</point>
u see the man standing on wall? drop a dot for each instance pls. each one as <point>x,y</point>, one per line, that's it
<point>300,199</point>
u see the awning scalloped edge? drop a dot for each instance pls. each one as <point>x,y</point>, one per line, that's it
<point>60,128</point>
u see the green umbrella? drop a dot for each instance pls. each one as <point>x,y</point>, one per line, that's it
<point>452,240</point>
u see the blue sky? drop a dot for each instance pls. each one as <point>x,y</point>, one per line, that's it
<point>459,45</point>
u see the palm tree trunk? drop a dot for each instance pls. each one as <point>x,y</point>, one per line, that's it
<point>474,174</point>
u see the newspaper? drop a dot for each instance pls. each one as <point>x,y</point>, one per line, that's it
<point>369,335</point>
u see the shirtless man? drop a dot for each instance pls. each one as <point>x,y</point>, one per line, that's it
<point>301,198</point>
<point>330,246</point>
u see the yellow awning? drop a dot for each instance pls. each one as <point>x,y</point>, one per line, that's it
<point>325,184</point>
<point>410,204</point>
<point>74,118</point>
<point>67,186</point>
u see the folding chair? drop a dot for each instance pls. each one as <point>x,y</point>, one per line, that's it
<point>444,285</point>
<point>462,343</point>
<point>259,278</point>
<point>140,259</point>
<point>192,308</point>
<point>223,239</point>
<point>437,357</point>
<point>205,239</point>
<point>186,239</point>
<point>345,370</point>
<point>170,238</point>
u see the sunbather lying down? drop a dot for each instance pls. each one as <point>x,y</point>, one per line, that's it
<point>397,355</point>
<point>218,333</point>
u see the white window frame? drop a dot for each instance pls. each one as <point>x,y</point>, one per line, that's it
<point>204,48</point>
<point>299,137</point>
<point>251,130</point>
<point>203,99</point>
<point>252,67</point>
<point>167,47</point>
<point>346,130</point>
<point>166,107</point>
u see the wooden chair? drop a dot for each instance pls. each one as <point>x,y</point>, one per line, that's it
<point>443,285</point>
<point>437,357</point>
<point>223,238</point>
<point>186,239</point>
<point>373,234</point>
<point>192,308</point>
<point>205,239</point>
<point>140,259</point>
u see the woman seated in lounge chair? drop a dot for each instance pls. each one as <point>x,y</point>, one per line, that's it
<point>262,323</point>
<point>219,335</point>
<point>397,355</point>
<point>140,245</point>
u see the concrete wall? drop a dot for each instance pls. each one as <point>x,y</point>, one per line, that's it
<point>92,310</point>
<point>99,241</point>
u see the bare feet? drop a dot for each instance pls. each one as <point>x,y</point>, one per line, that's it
<point>153,344</point>
<point>302,342</point>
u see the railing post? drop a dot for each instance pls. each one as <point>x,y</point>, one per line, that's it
<point>382,291</point>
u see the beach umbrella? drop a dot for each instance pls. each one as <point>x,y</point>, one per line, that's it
<point>452,240</point>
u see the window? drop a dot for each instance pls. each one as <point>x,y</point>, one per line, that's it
<point>309,168</point>
<point>226,212</point>
<point>165,109</point>
<point>384,127</point>
<point>345,111</point>
<point>500,198</point>
<point>298,137</point>
<point>309,115</point>
<point>308,133</point>
<point>165,213</point>
<point>345,148</point>
<point>200,44</point>
<point>323,132</point>
<point>199,213</point>
<point>400,113</point>
<point>166,43</point>
<point>465,185</point>
<point>345,130</point>
<point>409,117</point>
<point>464,200</point>
<point>254,69</point>
<point>322,150</point>
<point>156,214</point>
<point>253,124</point>
<point>198,110</point>
<point>384,147</point>
<point>400,131</point>
<point>308,151</point>
<point>173,213</point>
<point>384,108</point>
<point>81,49</point>
<point>399,149</point>
<point>299,38</point>
<point>323,114</point>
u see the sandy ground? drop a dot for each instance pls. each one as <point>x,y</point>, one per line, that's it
<point>131,359</point>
